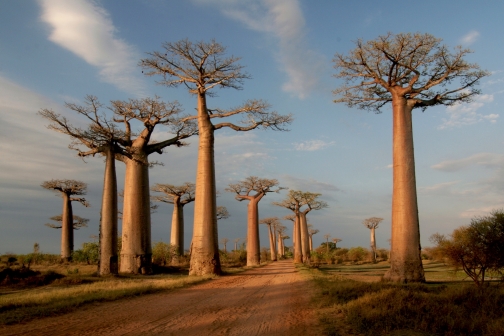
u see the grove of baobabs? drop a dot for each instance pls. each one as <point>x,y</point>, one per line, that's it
<point>300,289</point>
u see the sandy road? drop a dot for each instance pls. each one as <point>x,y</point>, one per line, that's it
<point>271,300</point>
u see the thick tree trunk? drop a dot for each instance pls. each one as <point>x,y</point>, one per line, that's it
<point>279,245</point>
<point>177,230</point>
<point>66,229</point>
<point>305,244</point>
<point>405,259</point>
<point>136,253</point>
<point>108,263</point>
<point>298,254</point>
<point>272,244</point>
<point>253,244</point>
<point>205,248</point>
<point>311,243</point>
<point>373,245</point>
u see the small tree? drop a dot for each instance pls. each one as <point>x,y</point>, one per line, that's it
<point>179,196</point>
<point>224,242</point>
<point>410,71</point>
<point>372,224</point>
<point>336,241</point>
<point>327,236</point>
<point>477,248</point>
<point>311,232</point>
<point>66,189</point>
<point>253,189</point>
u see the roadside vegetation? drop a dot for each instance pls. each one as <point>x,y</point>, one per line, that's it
<point>351,299</point>
<point>38,284</point>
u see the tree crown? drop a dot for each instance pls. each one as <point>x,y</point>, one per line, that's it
<point>416,67</point>
<point>372,222</point>
<point>185,193</point>
<point>78,222</point>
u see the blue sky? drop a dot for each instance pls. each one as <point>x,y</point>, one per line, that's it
<point>57,51</point>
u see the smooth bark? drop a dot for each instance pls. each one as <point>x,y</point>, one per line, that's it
<point>305,239</point>
<point>205,249</point>
<point>405,254</point>
<point>136,252</point>
<point>177,229</point>
<point>67,237</point>
<point>108,263</point>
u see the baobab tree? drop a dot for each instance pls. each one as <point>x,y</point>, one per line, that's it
<point>66,189</point>
<point>78,222</point>
<point>327,236</point>
<point>253,189</point>
<point>280,230</point>
<point>372,224</point>
<point>224,242</point>
<point>222,212</point>
<point>310,200</point>
<point>311,232</point>
<point>136,252</point>
<point>101,137</point>
<point>202,67</point>
<point>236,241</point>
<point>293,203</point>
<point>336,241</point>
<point>179,196</point>
<point>411,71</point>
<point>270,222</point>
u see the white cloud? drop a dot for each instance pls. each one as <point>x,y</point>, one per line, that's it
<point>470,37</point>
<point>310,184</point>
<point>464,114</point>
<point>490,160</point>
<point>283,20</point>
<point>480,211</point>
<point>312,145</point>
<point>86,29</point>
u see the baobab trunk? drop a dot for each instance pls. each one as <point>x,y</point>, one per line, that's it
<point>205,248</point>
<point>298,254</point>
<point>253,245</point>
<point>66,229</point>
<point>305,244</point>
<point>177,229</point>
<point>136,253</point>
<point>311,243</point>
<point>405,258</point>
<point>108,263</point>
<point>279,245</point>
<point>373,244</point>
<point>272,244</point>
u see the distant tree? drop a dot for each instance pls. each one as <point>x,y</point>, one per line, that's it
<point>477,248</point>
<point>222,212</point>
<point>270,222</point>
<point>179,196</point>
<point>410,71</point>
<point>253,189</point>
<point>327,236</point>
<point>293,203</point>
<point>236,241</point>
<point>280,234</point>
<point>224,242</point>
<point>372,224</point>
<point>336,241</point>
<point>311,202</point>
<point>311,232</point>
<point>295,223</point>
<point>78,222</point>
<point>66,189</point>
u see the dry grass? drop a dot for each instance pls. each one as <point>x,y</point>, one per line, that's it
<point>352,301</point>
<point>67,295</point>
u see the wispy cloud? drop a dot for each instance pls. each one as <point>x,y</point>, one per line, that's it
<point>312,185</point>
<point>490,160</point>
<point>312,145</point>
<point>86,29</point>
<point>480,211</point>
<point>470,37</point>
<point>466,114</point>
<point>283,20</point>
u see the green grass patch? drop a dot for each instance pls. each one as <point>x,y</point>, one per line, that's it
<point>380,308</point>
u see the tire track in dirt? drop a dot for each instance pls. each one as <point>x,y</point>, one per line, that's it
<point>271,300</point>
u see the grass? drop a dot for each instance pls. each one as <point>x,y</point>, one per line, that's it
<point>80,286</point>
<point>352,300</point>
<point>26,305</point>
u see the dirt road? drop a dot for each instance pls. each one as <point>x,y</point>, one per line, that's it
<point>271,300</point>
